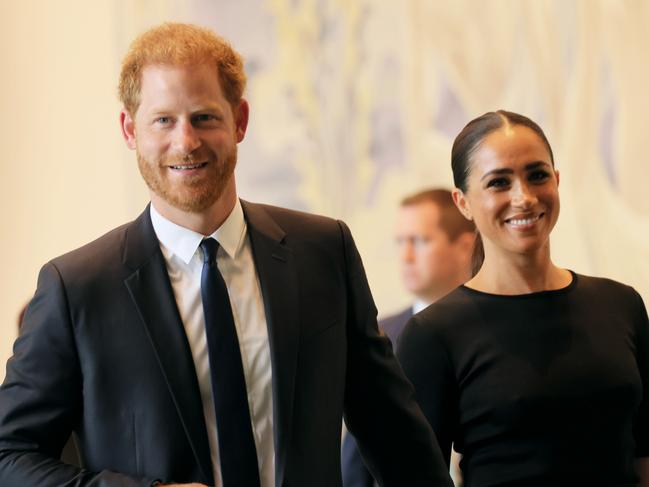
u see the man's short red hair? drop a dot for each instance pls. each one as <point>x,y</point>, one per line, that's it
<point>180,44</point>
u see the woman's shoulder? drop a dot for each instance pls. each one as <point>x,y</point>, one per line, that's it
<point>605,289</point>
<point>445,313</point>
<point>606,298</point>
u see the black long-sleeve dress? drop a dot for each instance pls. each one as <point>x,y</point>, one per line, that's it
<point>548,388</point>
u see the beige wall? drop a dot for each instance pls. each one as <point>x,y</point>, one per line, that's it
<point>65,172</point>
<point>67,177</point>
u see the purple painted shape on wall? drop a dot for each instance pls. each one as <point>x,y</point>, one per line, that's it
<point>450,116</point>
<point>607,128</point>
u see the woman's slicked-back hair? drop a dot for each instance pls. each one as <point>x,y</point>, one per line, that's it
<point>472,135</point>
<point>469,140</point>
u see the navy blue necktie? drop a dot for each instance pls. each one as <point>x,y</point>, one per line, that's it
<point>237,452</point>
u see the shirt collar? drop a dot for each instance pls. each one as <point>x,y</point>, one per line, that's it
<point>419,305</point>
<point>183,242</point>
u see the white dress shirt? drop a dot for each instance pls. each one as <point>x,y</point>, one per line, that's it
<point>419,305</point>
<point>183,255</point>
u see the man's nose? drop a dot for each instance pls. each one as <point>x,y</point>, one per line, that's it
<point>186,138</point>
<point>407,252</point>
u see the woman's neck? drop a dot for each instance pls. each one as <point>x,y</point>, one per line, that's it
<point>512,274</point>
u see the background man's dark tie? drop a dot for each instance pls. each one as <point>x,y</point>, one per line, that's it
<point>238,456</point>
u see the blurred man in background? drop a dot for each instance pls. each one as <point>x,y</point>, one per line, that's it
<point>435,243</point>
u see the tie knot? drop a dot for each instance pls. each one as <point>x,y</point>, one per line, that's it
<point>209,246</point>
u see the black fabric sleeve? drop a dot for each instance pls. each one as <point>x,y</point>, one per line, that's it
<point>641,425</point>
<point>427,364</point>
<point>41,397</point>
<point>393,436</point>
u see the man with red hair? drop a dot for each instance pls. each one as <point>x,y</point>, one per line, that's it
<point>212,340</point>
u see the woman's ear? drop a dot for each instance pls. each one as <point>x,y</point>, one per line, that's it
<point>462,203</point>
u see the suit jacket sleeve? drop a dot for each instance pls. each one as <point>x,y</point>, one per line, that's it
<point>40,398</point>
<point>641,426</point>
<point>394,438</point>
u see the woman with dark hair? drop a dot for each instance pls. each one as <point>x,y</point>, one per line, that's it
<point>538,375</point>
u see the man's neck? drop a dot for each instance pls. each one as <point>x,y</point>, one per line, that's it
<point>205,222</point>
<point>439,292</point>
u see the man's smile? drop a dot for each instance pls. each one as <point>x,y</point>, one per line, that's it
<point>188,167</point>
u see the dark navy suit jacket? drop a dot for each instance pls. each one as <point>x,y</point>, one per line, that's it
<point>103,353</point>
<point>355,473</point>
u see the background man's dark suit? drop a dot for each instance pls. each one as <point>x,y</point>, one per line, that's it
<point>393,325</point>
<point>104,353</point>
<point>355,473</point>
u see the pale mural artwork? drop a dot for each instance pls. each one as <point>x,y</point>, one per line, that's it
<point>355,104</point>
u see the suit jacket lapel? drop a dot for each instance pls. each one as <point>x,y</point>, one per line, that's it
<point>151,291</point>
<point>277,275</point>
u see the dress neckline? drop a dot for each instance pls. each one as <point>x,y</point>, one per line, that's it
<point>549,292</point>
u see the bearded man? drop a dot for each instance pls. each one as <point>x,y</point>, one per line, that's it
<point>210,341</point>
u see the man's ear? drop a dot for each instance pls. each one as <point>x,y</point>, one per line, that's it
<point>241,113</point>
<point>127,124</point>
<point>462,204</point>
